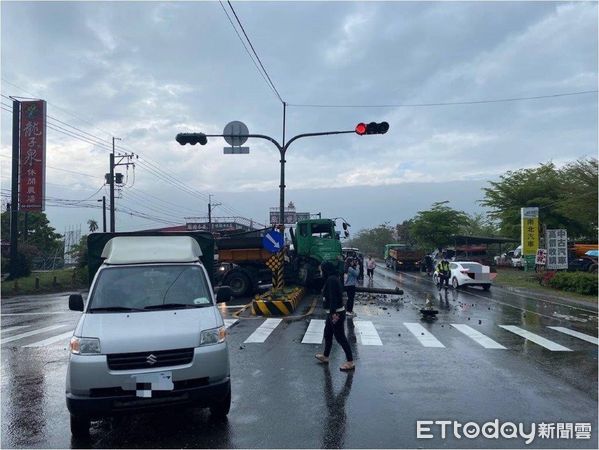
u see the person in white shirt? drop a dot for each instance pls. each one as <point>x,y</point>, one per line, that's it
<point>370,265</point>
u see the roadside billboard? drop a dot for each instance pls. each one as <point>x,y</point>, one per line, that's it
<point>557,249</point>
<point>529,231</point>
<point>32,155</point>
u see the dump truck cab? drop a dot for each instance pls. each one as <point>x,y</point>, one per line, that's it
<point>315,241</point>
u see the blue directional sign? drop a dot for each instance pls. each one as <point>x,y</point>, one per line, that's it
<point>273,241</point>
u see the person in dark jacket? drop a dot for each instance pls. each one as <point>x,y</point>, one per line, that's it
<point>332,294</point>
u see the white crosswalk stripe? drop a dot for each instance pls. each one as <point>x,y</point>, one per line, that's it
<point>263,331</point>
<point>423,336</point>
<point>230,322</point>
<point>550,345</point>
<point>30,333</point>
<point>477,336</point>
<point>367,332</point>
<point>577,334</point>
<point>17,327</point>
<point>314,333</point>
<point>61,337</point>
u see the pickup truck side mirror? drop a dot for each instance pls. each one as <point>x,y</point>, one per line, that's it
<point>224,294</point>
<point>75,302</point>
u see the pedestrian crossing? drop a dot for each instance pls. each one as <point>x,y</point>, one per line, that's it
<point>261,331</point>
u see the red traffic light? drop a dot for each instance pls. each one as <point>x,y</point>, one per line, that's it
<point>361,129</point>
<point>372,128</point>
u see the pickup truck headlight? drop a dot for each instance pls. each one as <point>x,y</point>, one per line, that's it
<point>213,336</point>
<point>85,346</point>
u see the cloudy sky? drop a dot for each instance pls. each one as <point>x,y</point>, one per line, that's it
<point>145,71</point>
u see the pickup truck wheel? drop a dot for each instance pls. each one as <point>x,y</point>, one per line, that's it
<point>239,282</point>
<point>486,287</point>
<point>221,408</point>
<point>80,426</point>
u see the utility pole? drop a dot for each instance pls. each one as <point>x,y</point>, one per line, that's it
<point>14,203</point>
<point>210,206</point>
<point>111,182</point>
<point>103,213</point>
<point>112,177</point>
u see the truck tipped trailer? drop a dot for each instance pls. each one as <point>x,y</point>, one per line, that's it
<point>403,257</point>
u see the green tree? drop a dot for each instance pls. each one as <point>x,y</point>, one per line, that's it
<point>372,241</point>
<point>433,228</point>
<point>579,198</point>
<point>403,232</point>
<point>40,234</point>
<point>566,198</point>
<point>479,224</point>
<point>93,225</point>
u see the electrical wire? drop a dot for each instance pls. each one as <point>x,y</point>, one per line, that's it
<point>254,51</point>
<point>468,102</point>
<point>247,50</point>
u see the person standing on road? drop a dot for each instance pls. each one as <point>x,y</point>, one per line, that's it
<point>370,265</point>
<point>443,272</point>
<point>332,294</point>
<point>350,286</point>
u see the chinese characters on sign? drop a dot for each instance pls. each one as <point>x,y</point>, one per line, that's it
<point>541,258</point>
<point>530,231</point>
<point>32,155</point>
<point>557,249</point>
<point>291,217</point>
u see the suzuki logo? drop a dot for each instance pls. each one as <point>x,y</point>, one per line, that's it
<point>151,359</point>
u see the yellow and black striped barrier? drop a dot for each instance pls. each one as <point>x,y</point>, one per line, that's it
<point>277,303</point>
<point>276,264</point>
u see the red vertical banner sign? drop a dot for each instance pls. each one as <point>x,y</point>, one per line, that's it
<point>32,156</point>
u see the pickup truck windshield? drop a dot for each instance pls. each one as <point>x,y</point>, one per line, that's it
<point>149,288</point>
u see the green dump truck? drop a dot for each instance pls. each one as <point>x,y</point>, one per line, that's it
<point>242,260</point>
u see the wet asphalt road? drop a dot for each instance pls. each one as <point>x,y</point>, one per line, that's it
<point>283,398</point>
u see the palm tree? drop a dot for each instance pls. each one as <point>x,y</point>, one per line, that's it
<point>93,225</point>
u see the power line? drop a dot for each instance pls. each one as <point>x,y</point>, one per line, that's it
<point>254,51</point>
<point>469,102</point>
<point>247,50</point>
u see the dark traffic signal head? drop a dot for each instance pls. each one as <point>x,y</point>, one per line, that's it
<point>372,128</point>
<point>192,138</point>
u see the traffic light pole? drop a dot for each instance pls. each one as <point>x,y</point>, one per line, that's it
<point>282,151</point>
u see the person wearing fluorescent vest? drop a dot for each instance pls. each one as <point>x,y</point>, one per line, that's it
<point>443,272</point>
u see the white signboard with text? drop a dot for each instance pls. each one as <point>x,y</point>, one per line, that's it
<point>557,249</point>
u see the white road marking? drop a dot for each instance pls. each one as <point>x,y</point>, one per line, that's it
<point>263,331</point>
<point>30,333</point>
<point>17,327</point>
<point>550,345</point>
<point>576,334</point>
<point>52,340</point>
<point>367,332</point>
<point>422,334</point>
<point>476,336</point>
<point>230,322</point>
<point>314,333</point>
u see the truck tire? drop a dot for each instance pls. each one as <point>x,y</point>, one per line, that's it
<point>239,282</point>
<point>80,426</point>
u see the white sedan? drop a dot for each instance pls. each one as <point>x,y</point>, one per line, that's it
<point>464,273</point>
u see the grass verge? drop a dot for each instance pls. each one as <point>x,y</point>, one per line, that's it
<point>26,285</point>
<point>528,280</point>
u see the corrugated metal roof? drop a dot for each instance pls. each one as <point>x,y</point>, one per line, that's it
<point>151,249</point>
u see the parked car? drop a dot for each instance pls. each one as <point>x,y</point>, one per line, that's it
<point>468,273</point>
<point>150,334</point>
<point>583,264</point>
<point>517,258</point>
